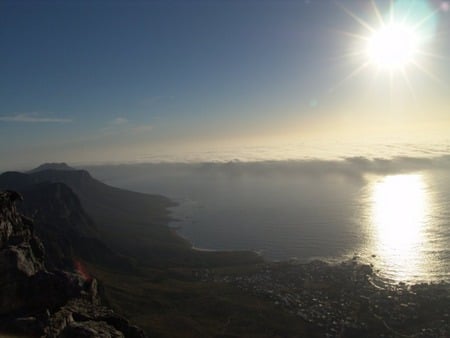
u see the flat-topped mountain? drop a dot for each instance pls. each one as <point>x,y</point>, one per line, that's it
<point>51,166</point>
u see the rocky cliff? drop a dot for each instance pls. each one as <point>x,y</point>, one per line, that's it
<point>37,302</point>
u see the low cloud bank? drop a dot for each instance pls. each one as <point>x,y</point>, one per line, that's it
<point>352,167</point>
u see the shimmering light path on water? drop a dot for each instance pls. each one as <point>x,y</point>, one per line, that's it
<point>403,228</point>
<point>399,210</point>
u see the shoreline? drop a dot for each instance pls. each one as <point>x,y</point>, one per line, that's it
<point>362,258</point>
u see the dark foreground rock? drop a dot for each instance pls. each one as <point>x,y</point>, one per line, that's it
<point>37,302</point>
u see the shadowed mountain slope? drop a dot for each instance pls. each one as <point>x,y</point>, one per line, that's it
<point>62,224</point>
<point>35,302</point>
<point>132,224</point>
<point>119,214</point>
<point>65,228</point>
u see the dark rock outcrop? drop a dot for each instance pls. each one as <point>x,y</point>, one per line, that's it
<point>38,302</point>
<point>56,215</point>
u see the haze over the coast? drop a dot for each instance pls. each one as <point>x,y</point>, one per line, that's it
<point>225,168</point>
<point>114,81</point>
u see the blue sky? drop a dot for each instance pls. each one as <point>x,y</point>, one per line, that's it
<point>88,81</point>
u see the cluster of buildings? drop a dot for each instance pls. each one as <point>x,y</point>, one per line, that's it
<point>348,299</point>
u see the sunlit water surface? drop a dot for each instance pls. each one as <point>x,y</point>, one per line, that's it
<point>405,229</point>
<point>400,223</point>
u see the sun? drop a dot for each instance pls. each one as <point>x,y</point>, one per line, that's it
<point>395,42</point>
<point>393,46</point>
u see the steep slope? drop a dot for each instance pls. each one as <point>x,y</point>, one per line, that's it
<point>66,230</point>
<point>36,302</point>
<point>61,222</point>
<point>15,180</point>
<point>134,223</point>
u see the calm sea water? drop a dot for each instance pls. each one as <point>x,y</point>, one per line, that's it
<point>394,214</point>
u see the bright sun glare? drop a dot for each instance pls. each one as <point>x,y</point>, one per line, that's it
<point>393,46</point>
<point>395,40</point>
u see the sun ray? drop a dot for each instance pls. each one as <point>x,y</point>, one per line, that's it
<point>352,74</point>
<point>345,56</point>
<point>353,35</point>
<point>391,11</point>
<point>408,13</point>
<point>432,55</point>
<point>425,19</point>
<point>429,73</point>
<point>377,13</point>
<point>356,18</point>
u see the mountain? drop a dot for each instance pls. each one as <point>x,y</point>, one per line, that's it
<point>61,222</point>
<point>146,271</point>
<point>51,166</point>
<point>65,228</point>
<point>132,223</point>
<point>37,302</point>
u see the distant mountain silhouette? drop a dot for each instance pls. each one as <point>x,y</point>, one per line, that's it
<point>132,224</point>
<point>51,166</point>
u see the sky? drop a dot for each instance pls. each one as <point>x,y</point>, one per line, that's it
<point>121,81</point>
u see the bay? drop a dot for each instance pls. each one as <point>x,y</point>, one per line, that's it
<point>393,214</point>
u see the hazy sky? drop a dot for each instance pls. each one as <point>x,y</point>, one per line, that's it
<point>89,81</point>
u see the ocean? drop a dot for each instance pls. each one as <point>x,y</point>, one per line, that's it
<point>391,213</point>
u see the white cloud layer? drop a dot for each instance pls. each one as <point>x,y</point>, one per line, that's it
<point>33,118</point>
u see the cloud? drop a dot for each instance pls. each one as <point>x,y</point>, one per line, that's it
<point>119,120</point>
<point>351,169</point>
<point>33,118</point>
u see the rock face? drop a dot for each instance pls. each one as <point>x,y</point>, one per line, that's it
<point>118,215</point>
<point>21,257</point>
<point>38,302</point>
<point>62,224</point>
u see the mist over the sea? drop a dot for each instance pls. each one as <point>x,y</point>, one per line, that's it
<point>393,213</point>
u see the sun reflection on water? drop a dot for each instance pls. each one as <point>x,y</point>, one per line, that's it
<point>400,209</point>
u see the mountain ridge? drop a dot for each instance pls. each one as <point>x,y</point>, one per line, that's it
<point>122,217</point>
<point>132,224</point>
<point>51,166</point>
